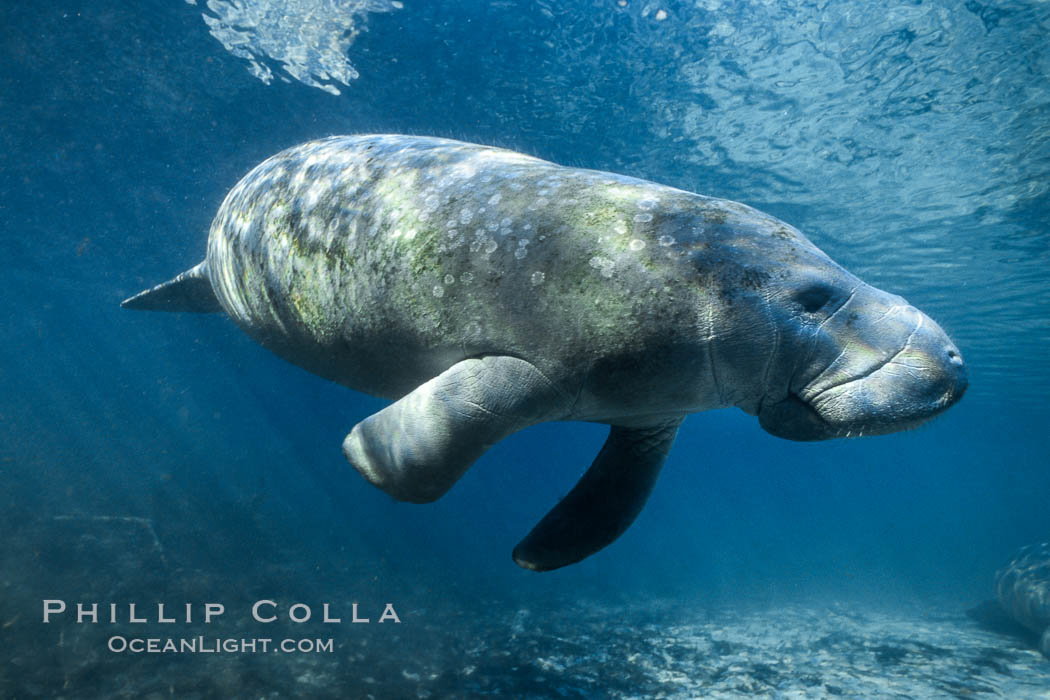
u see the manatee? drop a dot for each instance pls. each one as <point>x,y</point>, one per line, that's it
<point>1023,590</point>
<point>484,291</point>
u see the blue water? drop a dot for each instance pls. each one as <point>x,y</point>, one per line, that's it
<point>909,140</point>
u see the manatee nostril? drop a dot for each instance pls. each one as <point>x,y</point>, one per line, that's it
<point>958,372</point>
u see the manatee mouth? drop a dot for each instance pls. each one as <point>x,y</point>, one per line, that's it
<point>793,419</point>
<point>860,410</point>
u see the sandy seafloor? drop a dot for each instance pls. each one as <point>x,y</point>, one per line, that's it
<point>656,650</point>
<point>464,646</point>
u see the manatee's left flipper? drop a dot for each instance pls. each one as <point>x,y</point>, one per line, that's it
<point>418,447</point>
<point>605,501</point>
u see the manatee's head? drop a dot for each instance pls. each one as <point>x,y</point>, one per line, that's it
<point>868,363</point>
<point>820,353</point>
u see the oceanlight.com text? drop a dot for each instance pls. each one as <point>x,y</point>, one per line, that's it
<point>217,645</point>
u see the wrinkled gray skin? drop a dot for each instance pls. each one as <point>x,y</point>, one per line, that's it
<point>1023,589</point>
<point>486,291</point>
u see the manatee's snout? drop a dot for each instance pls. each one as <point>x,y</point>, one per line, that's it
<point>926,376</point>
<point>895,369</point>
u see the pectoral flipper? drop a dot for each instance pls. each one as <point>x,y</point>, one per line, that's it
<point>604,503</point>
<point>418,447</point>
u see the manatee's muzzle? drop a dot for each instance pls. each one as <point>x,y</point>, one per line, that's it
<point>793,419</point>
<point>922,379</point>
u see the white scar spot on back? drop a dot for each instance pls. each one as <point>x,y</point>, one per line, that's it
<point>636,244</point>
<point>463,170</point>
<point>619,192</point>
<point>494,199</point>
<point>439,291</point>
<point>666,240</point>
<point>643,218</point>
<point>604,265</point>
<point>313,193</point>
<point>620,227</point>
<point>450,279</point>
<point>537,278</point>
<point>523,249</point>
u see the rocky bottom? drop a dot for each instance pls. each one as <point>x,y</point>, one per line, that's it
<point>580,651</point>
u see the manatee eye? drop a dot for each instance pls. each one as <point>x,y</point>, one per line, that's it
<point>814,297</point>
